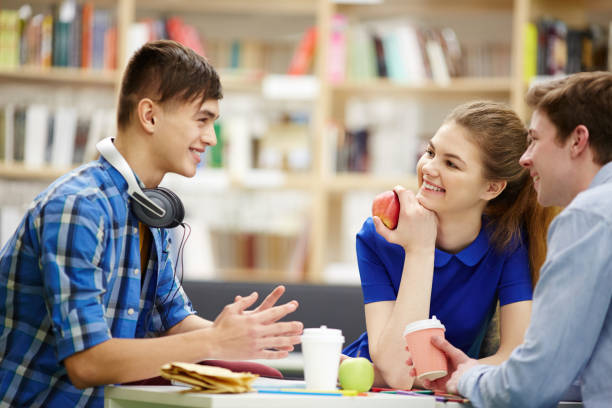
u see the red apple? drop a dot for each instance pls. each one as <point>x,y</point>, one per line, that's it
<point>386,206</point>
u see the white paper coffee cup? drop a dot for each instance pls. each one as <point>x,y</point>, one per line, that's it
<point>321,348</point>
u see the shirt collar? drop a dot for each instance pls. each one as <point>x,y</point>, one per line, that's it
<point>603,175</point>
<point>117,177</point>
<point>470,255</point>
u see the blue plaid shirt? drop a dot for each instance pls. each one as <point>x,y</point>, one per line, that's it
<point>70,279</point>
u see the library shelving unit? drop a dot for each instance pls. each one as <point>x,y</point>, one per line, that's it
<point>325,187</point>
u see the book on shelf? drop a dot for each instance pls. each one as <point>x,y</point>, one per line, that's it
<point>336,58</point>
<point>9,38</point>
<point>2,136</point>
<point>80,139</point>
<point>380,136</point>
<point>258,255</point>
<point>67,34</point>
<point>7,117</point>
<point>64,132</point>
<point>36,132</point>
<point>184,33</point>
<point>436,55</point>
<point>49,138</point>
<point>379,54</point>
<point>406,52</point>
<point>530,67</point>
<point>148,29</point>
<point>214,154</point>
<point>37,135</point>
<point>352,152</point>
<point>303,56</point>
<point>361,59</point>
<point>19,123</point>
<point>86,27</point>
<point>610,47</point>
<point>410,53</point>
<point>46,41</point>
<point>79,26</point>
<point>561,49</point>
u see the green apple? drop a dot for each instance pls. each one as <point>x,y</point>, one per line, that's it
<point>356,374</point>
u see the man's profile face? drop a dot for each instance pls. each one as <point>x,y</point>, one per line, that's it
<point>184,132</point>
<point>549,162</point>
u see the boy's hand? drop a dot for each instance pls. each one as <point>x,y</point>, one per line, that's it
<point>249,334</point>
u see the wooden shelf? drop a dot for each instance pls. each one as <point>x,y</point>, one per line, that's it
<point>275,180</point>
<point>492,85</point>
<point>18,171</point>
<point>345,182</point>
<point>234,82</point>
<point>255,179</point>
<point>424,7</point>
<point>58,75</point>
<point>293,7</point>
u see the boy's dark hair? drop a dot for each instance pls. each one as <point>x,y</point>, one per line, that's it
<point>166,71</point>
<point>579,99</point>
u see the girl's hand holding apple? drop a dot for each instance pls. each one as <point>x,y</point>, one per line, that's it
<point>416,226</point>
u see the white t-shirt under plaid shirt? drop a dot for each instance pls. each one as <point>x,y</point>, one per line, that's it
<point>70,278</point>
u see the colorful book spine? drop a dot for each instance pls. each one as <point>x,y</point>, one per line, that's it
<point>336,67</point>
<point>304,53</point>
<point>87,22</point>
<point>530,67</point>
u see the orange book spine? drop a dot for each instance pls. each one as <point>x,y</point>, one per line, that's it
<point>302,58</point>
<point>86,35</point>
<point>110,48</point>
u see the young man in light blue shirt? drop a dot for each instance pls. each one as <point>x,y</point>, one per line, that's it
<point>569,340</point>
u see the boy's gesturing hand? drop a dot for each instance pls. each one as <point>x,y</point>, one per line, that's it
<point>248,334</point>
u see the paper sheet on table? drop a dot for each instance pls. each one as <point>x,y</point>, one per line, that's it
<point>208,379</point>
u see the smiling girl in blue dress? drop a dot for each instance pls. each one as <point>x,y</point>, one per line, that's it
<point>473,235</point>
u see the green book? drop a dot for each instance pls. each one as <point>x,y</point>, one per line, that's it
<point>215,153</point>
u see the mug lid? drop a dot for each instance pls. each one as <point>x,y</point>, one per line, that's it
<point>432,323</point>
<point>323,332</point>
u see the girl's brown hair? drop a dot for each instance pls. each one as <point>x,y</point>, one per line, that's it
<point>502,138</point>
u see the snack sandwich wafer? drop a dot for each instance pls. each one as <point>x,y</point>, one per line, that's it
<point>208,379</point>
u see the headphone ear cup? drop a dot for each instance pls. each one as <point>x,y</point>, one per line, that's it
<point>167,200</point>
<point>177,205</point>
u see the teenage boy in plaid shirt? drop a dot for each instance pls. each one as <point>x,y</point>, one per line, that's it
<point>84,284</point>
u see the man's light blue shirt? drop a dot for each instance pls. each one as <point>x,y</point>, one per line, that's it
<point>570,335</point>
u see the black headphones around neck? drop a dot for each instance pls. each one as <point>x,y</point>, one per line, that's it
<point>154,207</point>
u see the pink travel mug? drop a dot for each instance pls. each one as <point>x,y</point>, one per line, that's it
<point>429,362</point>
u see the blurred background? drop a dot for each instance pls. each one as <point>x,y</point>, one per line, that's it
<point>327,103</point>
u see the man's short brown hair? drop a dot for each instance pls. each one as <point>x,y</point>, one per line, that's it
<point>166,71</point>
<point>579,99</point>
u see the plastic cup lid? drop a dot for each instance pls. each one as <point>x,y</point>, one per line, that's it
<point>432,323</point>
<point>323,333</point>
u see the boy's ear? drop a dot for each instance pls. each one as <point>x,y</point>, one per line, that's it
<point>494,188</point>
<point>145,113</point>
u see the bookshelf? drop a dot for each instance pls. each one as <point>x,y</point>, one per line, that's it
<point>331,201</point>
<point>480,86</point>
<point>68,76</point>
